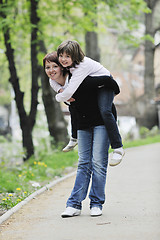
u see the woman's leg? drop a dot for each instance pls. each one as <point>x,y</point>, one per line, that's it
<point>105,100</point>
<point>73,121</point>
<point>99,166</point>
<point>84,170</point>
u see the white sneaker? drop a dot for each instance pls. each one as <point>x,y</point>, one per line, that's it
<point>72,143</point>
<point>70,212</point>
<point>117,156</point>
<point>96,211</point>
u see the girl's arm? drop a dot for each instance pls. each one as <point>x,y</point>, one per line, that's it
<point>85,68</point>
<point>56,86</point>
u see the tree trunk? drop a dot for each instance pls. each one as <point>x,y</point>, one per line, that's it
<point>149,89</point>
<point>34,20</point>
<point>147,110</point>
<point>14,80</point>
<point>26,122</point>
<point>92,49</point>
<point>91,39</point>
<point>57,125</point>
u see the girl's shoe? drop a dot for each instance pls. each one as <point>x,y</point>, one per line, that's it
<point>117,156</point>
<point>72,143</point>
<point>96,211</point>
<point>71,212</point>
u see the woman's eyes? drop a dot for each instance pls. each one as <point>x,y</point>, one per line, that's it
<point>51,67</point>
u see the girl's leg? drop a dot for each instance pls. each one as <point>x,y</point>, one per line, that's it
<point>99,166</point>
<point>84,170</point>
<point>99,81</point>
<point>105,100</point>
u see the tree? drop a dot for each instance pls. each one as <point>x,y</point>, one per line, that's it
<point>27,122</point>
<point>91,39</point>
<point>148,113</point>
<point>56,123</point>
<point>152,25</point>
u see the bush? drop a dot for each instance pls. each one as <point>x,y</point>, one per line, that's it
<point>143,132</point>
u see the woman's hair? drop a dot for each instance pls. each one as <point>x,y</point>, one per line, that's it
<point>52,57</point>
<point>73,49</point>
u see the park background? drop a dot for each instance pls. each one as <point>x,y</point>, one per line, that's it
<point>123,35</point>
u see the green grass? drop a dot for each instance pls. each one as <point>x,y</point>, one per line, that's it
<point>34,171</point>
<point>142,141</point>
<point>18,179</point>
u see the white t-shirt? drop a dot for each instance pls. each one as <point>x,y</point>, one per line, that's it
<point>88,67</point>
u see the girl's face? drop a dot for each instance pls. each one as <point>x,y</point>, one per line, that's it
<point>65,60</point>
<point>53,71</point>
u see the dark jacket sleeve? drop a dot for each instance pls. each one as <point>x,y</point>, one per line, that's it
<point>114,111</point>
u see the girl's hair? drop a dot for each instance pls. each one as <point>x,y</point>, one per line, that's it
<point>73,49</point>
<point>52,57</point>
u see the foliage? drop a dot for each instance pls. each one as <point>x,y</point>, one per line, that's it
<point>59,20</point>
<point>124,17</point>
<point>20,180</point>
<point>145,132</point>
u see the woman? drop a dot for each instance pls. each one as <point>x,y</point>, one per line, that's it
<point>58,74</point>
<point>93,145</point>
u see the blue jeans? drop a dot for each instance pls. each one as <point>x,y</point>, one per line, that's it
<point>105,100</point>
<point>93,145</point>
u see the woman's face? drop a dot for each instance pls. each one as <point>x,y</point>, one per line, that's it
<point>53,70</point>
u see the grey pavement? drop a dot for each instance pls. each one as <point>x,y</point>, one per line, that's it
<point>131,210</point>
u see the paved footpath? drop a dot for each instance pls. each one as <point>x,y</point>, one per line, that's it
<point>131,211</point>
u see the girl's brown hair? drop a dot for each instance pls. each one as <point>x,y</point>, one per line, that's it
<point>52,57</point>
<point>73,49</point>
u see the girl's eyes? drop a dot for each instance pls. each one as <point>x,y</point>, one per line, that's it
<point>68,56</point>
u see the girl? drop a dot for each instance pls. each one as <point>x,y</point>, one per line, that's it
<point>72,57</point>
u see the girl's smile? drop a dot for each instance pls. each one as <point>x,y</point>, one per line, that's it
<point>65,60</point>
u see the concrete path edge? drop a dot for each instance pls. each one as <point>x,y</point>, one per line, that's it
<point>7,215</point>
